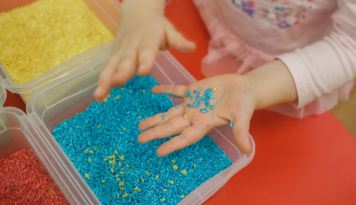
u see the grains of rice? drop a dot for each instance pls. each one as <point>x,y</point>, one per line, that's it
<point>147,171</point>
<point>22,181</point>
<point>184,171</point>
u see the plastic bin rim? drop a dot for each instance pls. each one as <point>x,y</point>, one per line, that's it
<point>3,93</point>
<point>52,75</point>
<point>14,110</point>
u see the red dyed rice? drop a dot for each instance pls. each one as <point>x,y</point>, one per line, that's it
<point>22,181</point>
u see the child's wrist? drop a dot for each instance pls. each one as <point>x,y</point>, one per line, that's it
<point>154,5</point>
<point>252,88</point>
<point>273,84</point>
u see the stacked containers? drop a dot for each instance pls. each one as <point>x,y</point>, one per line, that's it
<point>17,133</point>
<point>72,94</point>
<point>108,13</point>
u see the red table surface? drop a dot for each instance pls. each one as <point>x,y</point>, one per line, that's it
<point>308,161</point>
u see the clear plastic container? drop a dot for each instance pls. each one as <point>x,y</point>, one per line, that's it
<point>3,94</point>
<point>17,133</point>
<point>64,98</point>
<point>108,12</point>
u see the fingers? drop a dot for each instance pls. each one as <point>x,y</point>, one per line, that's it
<point>189,136</point>
<point>159,119</point>
<point>176,41</point>
<point>241,133</point>
<point>172,127</point>
<point>147,56</point>
<point>129,56</point>
<point>125,59</point>
<point>104,84</point>
<point>179,90</point>
<point>117,71</point>
<point>126,69</point>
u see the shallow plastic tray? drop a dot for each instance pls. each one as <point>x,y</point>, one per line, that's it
<point>107,11</point>
<point>17,133</point>
<point>64,98</point>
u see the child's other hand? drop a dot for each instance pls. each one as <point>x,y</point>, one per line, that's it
<point>234,102</point>
<point>144,31</point>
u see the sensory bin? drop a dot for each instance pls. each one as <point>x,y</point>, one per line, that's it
<point>36,38</point>
<point>23,181</point>
<point>102,144</point>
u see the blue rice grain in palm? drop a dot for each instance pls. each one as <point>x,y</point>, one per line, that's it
<point>123,171</point>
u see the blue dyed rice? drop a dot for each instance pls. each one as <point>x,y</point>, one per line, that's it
<point>82,131</point>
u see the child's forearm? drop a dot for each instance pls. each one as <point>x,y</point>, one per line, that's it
<point>273,84</point>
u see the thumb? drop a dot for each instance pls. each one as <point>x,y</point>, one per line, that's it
<point>240,129</point>
<point>176,41</point>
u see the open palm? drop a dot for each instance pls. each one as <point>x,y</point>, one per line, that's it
<point>231,100</point>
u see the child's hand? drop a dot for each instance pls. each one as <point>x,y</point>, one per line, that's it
<point>234,102</point>
<point>144,31</point>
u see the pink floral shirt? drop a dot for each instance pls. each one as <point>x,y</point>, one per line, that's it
<point>316,39</point>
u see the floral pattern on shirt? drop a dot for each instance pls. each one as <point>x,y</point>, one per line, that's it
<point>276,13</point>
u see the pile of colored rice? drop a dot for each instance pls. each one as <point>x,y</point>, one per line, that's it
<point>23,181</point>
<point>40,36</point>
<point>102,144</point>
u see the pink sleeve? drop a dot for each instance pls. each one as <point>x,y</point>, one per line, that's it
<point>326,65</point>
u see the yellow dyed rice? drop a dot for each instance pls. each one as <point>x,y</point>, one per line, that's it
<point>40,36</point>
<point>184,171</point>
